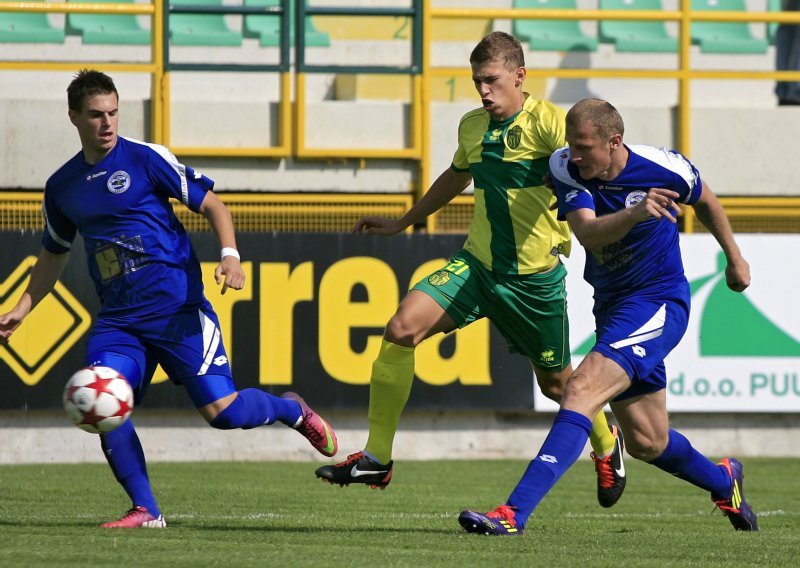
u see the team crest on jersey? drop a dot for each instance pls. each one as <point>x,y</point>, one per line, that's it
<point>513,137</point>
<point>439,278</point>
<point>633,198</point>
<point>119,182</point>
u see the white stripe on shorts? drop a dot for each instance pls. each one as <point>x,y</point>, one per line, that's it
<point>652,329</point>
<point>211,338</point>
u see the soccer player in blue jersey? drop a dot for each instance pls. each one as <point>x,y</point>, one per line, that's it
<point>115,192</point>
<point>621,203</point>
<point>509,269</point>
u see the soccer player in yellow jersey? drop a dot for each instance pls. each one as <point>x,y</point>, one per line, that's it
<point>508,271</point>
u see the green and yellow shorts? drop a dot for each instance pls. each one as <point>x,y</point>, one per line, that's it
<point>529,310</point>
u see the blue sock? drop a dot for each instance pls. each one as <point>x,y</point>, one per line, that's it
<point>560,450</point>
<point>683,461</point>
<point>124,453</point>
<point>253,408</point>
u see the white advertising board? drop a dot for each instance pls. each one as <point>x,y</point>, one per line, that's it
<point>741,352</point>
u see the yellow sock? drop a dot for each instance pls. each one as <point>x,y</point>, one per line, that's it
<point>389,389</point>
<point>601,438</point>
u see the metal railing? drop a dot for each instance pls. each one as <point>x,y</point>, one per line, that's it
<point>292,127</point>
<point>155,66</point>
<point>284,147</point>
<point>414,151</point>
<point>309,212</point>
<point>684,73</point>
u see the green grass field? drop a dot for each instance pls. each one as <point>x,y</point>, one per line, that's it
<point>278,514</point>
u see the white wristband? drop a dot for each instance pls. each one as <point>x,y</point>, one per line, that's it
<point>229,251</point>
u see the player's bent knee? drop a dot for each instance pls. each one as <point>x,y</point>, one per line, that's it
<point>399,332</point>
<point>551,386</point>
<point>577,386</point>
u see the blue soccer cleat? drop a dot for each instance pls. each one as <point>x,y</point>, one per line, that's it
<point>499,522</point>
<point>735,507</point>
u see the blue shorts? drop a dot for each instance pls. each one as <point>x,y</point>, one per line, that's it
<point>638,333</point>
<point>187,344</point>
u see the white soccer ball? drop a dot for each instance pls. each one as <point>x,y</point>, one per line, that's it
<point>98,399</point>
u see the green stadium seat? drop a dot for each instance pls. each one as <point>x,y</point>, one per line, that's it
<point>552,35</point>
<point>33,27</point>
<point>267,28</point>
<point>648,37</point>
<point>123,29</point>
<point>725,37</point>
<point>201,29</point>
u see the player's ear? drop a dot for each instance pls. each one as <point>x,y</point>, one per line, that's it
<point>73,117</point>
<point>520,78</point>
<point>615,141</point>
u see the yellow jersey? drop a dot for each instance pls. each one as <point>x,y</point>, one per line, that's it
<point>514,228</point>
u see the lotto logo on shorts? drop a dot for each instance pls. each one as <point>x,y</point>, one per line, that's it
<point>439,278</point>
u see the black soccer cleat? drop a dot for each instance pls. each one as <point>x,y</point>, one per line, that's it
<point>357,468</point>
<point>611,472</point>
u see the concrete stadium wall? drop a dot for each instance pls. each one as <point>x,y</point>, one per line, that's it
<point>740,139</point>
<point>738,151</point>
<point>47,438</point>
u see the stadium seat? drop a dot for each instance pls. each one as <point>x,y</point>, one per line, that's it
<point>122,29</point>
<point>725,37</point>
<point>201,29</point>
<point>267,28</point>
<point>34,27</point>
<point>552,35</point>
<point>647,37</point>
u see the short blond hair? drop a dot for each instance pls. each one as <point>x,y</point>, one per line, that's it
<point>501,47</point>
<point>600,114</point>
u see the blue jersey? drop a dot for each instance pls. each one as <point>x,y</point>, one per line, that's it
<point>648,258</point>
<point>139,254</point>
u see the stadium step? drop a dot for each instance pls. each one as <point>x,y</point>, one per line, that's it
<point>350,87</point>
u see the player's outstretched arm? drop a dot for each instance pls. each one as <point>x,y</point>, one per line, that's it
<point>711,214</point>
<point>229,272</point>
<point>449,184</point>
<point>44,275</point>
